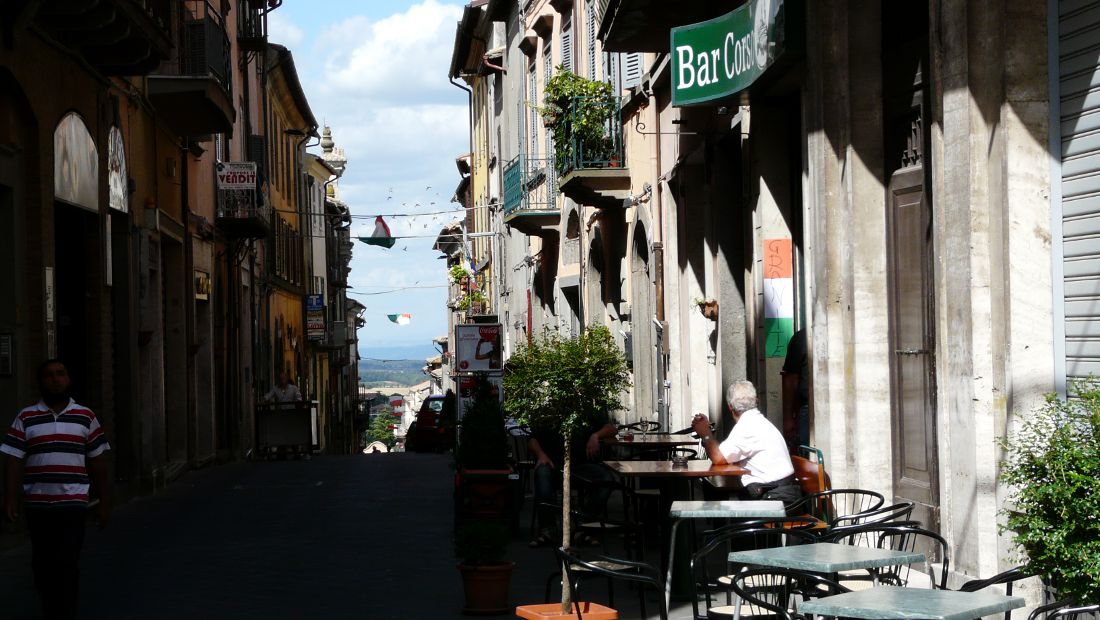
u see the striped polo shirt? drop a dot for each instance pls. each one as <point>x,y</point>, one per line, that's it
<point>55,446</point>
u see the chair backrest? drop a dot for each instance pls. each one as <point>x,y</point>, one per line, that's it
<point>911,538</point>
<point>642,574</point>
<point>835,503</point>
<point>894,512</point>
<point>1066,610</point>
<point>769,589</point>
<point>1007,578</point>
<point>642,426</point>
<point>811,476</point>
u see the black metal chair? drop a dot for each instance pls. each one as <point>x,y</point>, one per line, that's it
<point>521,458</point>
<point>627,523</point>
<point>576,567</point>
<point>775,592</point>
<point>837,503</point>
<point>642,426</point>
<point>894,512</point>
<point>714,554</point>
<point>1067,610</point>
<point>1007,578</point>
<point>912,538</point>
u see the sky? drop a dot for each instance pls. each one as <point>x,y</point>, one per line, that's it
<point>376,72</point>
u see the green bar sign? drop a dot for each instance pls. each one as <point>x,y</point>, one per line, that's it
<point>724,56</point>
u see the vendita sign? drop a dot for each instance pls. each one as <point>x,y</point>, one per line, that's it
<point>724,56</point>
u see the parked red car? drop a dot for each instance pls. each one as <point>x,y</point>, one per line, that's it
<point>430,432</point>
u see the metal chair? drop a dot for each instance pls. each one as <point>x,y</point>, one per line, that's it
<point>1063,609</point>
<point>837,503</point>
<point>774,592</point>
<point>911,538</point>
<point>576,567</point>
<point>1007,578</point>
<point>642,426</point>
<point>717,545</point>
<point>894,512</point>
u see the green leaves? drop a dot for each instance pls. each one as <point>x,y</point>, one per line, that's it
<point>1053,468</point>
<point>579,111</point>
<point>482,440</point>
<point>563,383</point>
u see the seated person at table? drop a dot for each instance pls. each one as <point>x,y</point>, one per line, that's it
<point>548,448</point>
<point>755,444</point>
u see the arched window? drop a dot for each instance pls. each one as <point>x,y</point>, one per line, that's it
<point>75,164</point>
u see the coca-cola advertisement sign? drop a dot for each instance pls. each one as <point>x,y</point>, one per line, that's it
<point>478,348</point>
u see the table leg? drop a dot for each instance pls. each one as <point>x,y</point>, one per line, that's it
<point>671,557</point>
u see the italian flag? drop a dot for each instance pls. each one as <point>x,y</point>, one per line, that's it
<point>381,236</point>
<point>400,319</point>
<point>778,296</point>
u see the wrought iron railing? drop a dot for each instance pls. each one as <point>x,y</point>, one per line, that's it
<point>530,184</point>
<point>203,45</point>
<point>593,133</point>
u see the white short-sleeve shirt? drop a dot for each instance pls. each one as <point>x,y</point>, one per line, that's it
<point>757,445</point>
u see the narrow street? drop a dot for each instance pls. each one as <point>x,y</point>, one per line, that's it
<point>334,537</point>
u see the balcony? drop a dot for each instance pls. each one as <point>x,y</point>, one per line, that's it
<point>530,196</point>
<point>251,34</point>
<point>243,214</point>
<point>117,37</point>
<point>590,159</point>
<point>193,90</point>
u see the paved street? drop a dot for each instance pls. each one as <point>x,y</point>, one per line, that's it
<point>335,537</point>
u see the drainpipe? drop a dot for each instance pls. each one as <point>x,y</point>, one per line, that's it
<point>659,279</point>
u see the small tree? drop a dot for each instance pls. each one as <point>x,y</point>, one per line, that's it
<point>1053,466</point>
<point>380,428</point>
<point>563,384</point>
<point>482,440</point>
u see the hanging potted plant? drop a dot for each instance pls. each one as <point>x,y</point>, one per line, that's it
<point>563,384</point>
<point>1052,466</point>
<point>708,307</point>
<point>481,547</point>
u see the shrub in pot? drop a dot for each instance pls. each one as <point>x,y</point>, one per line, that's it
<point>563,384</point>
<point>481,547</point>
<point>483,485</point>
<point>1052,467</point>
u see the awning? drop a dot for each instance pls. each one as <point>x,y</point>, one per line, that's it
<point>644,25</point>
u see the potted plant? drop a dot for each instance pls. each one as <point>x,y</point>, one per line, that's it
<point>1052,466</point>
<point>579,112</point>
<point>481,547</point>
<point>484,477</point>
<point>708,307</point>
<point>562,384</point>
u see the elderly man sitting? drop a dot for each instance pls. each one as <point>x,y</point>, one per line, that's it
<point>755,444</point>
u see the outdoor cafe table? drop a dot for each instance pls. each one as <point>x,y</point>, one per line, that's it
<point>825,557</point>
<point>652,441</point>
<point>667,474</point>
<point>728,509</point>
<point>896,603</point>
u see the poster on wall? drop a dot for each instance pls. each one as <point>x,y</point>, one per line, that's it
<point>478,348</point>
<point>467,390</point>
<point>118,195</point>
<point>778,296</point>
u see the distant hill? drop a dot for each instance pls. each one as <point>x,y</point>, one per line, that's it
<point>400,352</point>
<point>398,373</point>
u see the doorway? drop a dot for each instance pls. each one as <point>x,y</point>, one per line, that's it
<point>910,267</point>
<point>75,246</point>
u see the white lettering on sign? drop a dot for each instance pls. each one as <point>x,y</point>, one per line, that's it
<point>702,68</point>
<point>237,175</point>
<point>687,71</point>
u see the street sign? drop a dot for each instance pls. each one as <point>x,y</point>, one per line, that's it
<point>724,56</point>
<point>315,317</point>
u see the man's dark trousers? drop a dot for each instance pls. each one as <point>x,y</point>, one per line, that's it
<point>57,534</point>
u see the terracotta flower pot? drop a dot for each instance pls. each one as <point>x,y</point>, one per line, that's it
<point>552,611</point>
<point>486,588</point>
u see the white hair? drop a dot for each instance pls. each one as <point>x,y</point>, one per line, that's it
<point>741,396</point>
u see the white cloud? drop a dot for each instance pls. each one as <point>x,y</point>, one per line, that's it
<point>281,30</point>
<point>406,55</point>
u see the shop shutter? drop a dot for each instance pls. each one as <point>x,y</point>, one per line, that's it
<point>1079,100</point>
<point>632,70</point>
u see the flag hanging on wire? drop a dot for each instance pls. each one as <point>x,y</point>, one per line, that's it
<point>381,236</point>
<point>401,319</point>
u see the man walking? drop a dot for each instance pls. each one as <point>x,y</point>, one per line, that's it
<point>52,451</point>
<point>284,391</point>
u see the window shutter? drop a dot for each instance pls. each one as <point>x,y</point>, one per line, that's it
<point>611,71</point>
<point>533,102</point>
<point>567,42</point>
<point>632,72</point>
<point>590,12</point>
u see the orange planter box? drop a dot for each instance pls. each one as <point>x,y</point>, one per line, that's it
<point>552,611</point>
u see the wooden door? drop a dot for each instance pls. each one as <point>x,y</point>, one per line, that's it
<point>910,260</point>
